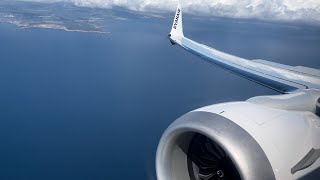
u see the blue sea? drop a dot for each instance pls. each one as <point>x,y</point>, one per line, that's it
<point>90,101</point>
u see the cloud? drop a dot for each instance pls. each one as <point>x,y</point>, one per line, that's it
<point>284,10</point>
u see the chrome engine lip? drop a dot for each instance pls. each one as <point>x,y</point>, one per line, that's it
<point>247,155</point>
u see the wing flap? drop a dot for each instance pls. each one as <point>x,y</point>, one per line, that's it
<point>297,69</point>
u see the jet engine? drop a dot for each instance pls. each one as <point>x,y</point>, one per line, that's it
<point>270,137</point>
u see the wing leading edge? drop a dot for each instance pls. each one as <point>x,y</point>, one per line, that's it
<point>282,78</point>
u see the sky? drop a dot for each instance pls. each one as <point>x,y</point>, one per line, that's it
<point>306,11</point>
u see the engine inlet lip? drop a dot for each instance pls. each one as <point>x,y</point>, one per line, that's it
<point>234,140</point>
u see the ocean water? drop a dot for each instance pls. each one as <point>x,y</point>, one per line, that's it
<point>93,106</point>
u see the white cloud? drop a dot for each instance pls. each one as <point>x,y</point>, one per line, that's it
<point>287,10</point>
<point>46,1</point>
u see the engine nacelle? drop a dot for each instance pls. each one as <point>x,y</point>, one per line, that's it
<point>241,140</point>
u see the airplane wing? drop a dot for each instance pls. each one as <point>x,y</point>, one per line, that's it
<point>266,137</point>
<point>282,78</point>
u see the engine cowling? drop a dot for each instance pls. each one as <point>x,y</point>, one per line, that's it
<point>241,140</point>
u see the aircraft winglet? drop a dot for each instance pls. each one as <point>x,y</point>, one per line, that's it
<point>177,29</point>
